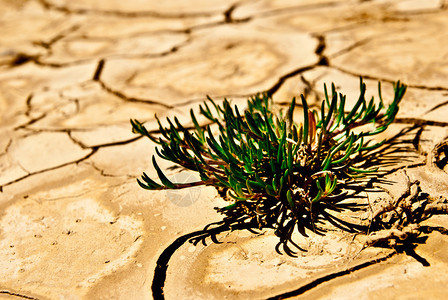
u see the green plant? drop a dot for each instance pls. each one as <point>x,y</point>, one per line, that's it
<point>276,173</point>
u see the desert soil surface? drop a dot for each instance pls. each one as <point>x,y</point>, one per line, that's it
<point>74,224</point>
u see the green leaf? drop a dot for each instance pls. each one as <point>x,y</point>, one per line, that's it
<point>162,129</point>
<point>222,180</point>
<point>202,173</point>
<point>327,182</point>
<point>334,100</point>
<point>218,109</point>
<point>281,148</point>
<point>374,146</point>
<point>138,127</point>
<point>250,121</point>
<point>291,113</point>
<point>363,170</point>
<point>326,95</point>
<point>270,191</point>
<point>335,149</point>
<point>236,197</point>
<point>341,113</point>
<point>289,199</point>
<point>239,191</point>
<point>207,113</point>
<point>260,181</point>
<point>290,157</point>
<point>319,187</point>
<point>199,129</point>
<point>305,120</point>
<point>233,205</point>
<point>348,151</point>
<point>150,184</point>
<point>318,196</point>
<point>333,186</point>
<point>162,176</point>
<point>213,144</point>
<point>379,94</point>
<point>249,187</point>
<point>359,102</point>
<point>322,124</point>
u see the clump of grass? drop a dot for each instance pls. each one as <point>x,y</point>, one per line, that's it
<point>276,173</point>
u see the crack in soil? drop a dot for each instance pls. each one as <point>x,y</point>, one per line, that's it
<point>294,8</point>
<point>322,61</point>
<point>5,151</point>
<point>345,27</point>
<point>98,70</point>
<point>17,295</point>
<point>94,150</point>
<point>119,143</point>
<point>160,271</point>
<point>173,49</point>
<point>23,58</point>
<point>29,107</point>
<point>420,122</point>
<point>423,12</point>
<point>310,89</point>
<point>416,86</point>
<point>313,284</point>
<point>30,122</point>
<point>355,45</point>
<point>228,14</point>
<point>283,78</point>
<point>79,143</point>
<point>56,38</point>
<point>131,99</point>
<point>321,46</point>
<point>102,172</point>
<point>135,14</point>
<point>97,78</point>
<point>437,106</point>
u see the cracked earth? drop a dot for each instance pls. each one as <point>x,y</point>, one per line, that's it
<point>74,224</point>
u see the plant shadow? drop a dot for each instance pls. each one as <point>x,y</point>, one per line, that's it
<point>345,211</point>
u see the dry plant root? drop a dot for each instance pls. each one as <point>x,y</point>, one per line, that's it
<point>399,220</point>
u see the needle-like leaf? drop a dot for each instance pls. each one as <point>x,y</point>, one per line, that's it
<point>276,173</point>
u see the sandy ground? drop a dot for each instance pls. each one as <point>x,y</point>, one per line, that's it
<point>75,225</point>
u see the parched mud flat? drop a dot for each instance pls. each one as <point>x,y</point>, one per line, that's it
<point>75,225</point>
